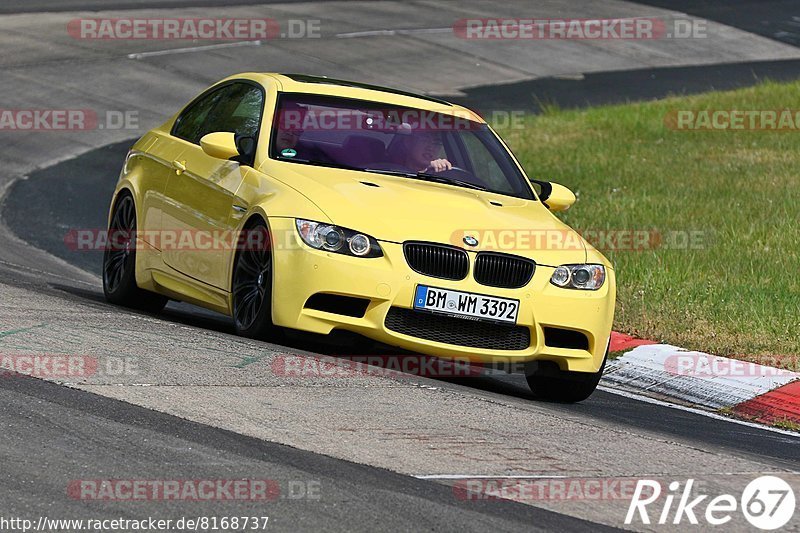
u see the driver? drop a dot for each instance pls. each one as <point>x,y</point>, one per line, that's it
<point>423,152</point>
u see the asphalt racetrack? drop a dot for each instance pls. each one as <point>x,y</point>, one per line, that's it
<point>355,453</point>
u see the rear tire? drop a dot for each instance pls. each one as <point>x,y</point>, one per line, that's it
<point>119,262</point>
<point>547,382</point>
<point>251,287</point>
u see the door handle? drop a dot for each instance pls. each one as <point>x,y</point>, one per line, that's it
<point>179,166</point>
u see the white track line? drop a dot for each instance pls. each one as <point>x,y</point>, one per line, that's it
<point>143,55</point>
<point>456,477</point>
<point>709,414</point>
<point>449,29</point>
<point>466,476</point>
<point>379,33</point>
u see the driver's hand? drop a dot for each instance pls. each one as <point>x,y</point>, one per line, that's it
<point>440,165</point>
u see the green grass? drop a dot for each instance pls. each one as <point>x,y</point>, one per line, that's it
<point>739,293</point>
<point>616,355</point>
<point>784,423</point>
<point>787,424</point>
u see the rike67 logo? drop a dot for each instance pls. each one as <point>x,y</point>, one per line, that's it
<point>768,503</point>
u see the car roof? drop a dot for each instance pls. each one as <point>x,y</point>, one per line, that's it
<point>325,80</point>
<point>323,85</point>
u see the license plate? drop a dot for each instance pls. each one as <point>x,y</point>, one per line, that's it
<point>466,305</point>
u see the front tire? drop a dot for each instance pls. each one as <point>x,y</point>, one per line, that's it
<point>548,382</point>
<point>119,262</point>
<point>251,287</point>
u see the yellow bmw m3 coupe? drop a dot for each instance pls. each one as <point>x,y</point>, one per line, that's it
<point>316,204</point>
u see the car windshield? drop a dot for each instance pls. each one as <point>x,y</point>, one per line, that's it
<point>381,138</point>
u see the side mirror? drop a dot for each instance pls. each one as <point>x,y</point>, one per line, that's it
<point>554,196</point>
<point>221,145</point>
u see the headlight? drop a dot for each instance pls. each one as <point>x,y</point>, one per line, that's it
<point>332,238</point>
<point>586,277</point>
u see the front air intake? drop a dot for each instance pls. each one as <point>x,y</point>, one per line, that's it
<point>341,305</point>
<point>457,331</point>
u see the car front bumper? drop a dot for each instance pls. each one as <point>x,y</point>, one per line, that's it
<point>389,284</point>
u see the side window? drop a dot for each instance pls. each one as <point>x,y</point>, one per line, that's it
<point>238,111</point>
<point>235,108</point>
<point>190,126</point>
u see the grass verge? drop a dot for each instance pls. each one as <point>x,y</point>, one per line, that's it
<point>723,274</point>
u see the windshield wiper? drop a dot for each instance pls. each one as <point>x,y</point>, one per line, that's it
<point>427,177</point>
<point>449,181</point>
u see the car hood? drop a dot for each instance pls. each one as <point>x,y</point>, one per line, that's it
<point>399,209</point>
